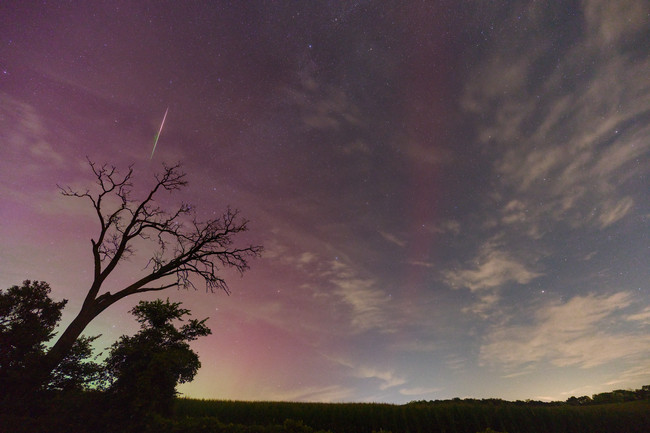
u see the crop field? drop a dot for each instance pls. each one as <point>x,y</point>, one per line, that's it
<point>427,417</point>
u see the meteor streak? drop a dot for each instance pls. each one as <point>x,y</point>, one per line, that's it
<point>155,139</point>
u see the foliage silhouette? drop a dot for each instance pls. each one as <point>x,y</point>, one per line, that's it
<point>185,246</point>
<point>76,371</point>
<point>143,370</point>
<point>28,317</point>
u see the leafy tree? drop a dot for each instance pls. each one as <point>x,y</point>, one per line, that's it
<point>185,247</point>
<point>75,371</point>
<point>28,317</point>
<point>144,370</point>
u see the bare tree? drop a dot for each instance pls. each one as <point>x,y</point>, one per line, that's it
<point>184,246</point>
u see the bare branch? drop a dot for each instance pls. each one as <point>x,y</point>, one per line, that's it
<point>185,249</point>
<point>156,289</point>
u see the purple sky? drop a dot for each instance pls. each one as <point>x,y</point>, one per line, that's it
<point>453,196</point>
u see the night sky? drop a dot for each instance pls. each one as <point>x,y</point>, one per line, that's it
<point>453,196</point>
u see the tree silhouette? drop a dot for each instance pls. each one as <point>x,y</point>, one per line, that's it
<point>184,246</point>
<point>28,317</point>
<point>143,370</point>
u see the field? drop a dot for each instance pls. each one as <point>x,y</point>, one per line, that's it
<point>456,416</point>
<point>97,412</point>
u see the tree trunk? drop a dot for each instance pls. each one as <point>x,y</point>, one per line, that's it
<point>65,342</point>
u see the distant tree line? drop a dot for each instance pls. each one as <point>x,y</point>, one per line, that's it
<point>616,396</point>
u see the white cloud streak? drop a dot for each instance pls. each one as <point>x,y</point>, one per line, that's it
<point>326,394</point>
<point>388,379</point>
<point>369,304</point>
<point>392,239</point>
<point>643,317</point>
<point>488,274</point>
<point>492,268</point>
<point>350,293</point>
<point>579,332</point>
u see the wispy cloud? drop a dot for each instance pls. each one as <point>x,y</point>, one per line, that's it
<point>642,317</point>
<point>455,362</point>
<point>609,23</point>
<point>568,139</point>
<point>444,226</point>
<point>383,378</point>
<point>492,268</point>
<point>631,377</point>
<point>421,263</point>
<point>387,378</point>
<point>369,304</point>
<point>26,137</point>
<point>565,143</point>
<point>325,394</point>
<point>614,210</point>
<point>354,295</point>
<point>276,251</point>
<point>573,333</point>
<point>393,239</point>
<point>323,106</point>
<point>487,274</point>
